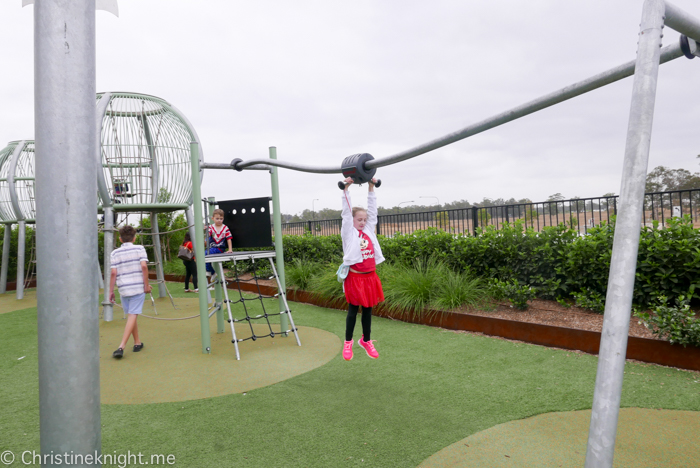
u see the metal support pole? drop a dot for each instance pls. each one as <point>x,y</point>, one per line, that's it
<point>107,307</point>
<point>277,221</point>
<point>66,235</point>
<point>618,302</point>
<point>189,217</point>
<point>7,239</point>
<point>218,291</point>
<point>100,280</point>
<point>21,246</point>
<point>198,242</point>
<point>158,254</point>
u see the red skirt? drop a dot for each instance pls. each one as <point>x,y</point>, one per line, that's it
<point>363,289</point>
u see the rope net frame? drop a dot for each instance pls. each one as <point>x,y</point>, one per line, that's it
<point>17,180</point>
<point>145,153</point>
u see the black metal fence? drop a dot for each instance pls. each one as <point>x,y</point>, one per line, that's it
<point>580,214</point>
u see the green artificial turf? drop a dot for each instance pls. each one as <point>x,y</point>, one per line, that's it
<point>429,389</point>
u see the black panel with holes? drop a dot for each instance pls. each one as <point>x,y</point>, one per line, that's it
<point>249,222</point>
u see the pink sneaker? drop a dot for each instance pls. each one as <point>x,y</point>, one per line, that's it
<point>369,347</point>
<point>347,350</point>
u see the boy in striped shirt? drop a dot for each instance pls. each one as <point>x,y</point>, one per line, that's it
<point>219,237</point>
<point>130,274</point>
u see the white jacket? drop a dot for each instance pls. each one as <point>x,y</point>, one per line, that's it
<point>351,236</point>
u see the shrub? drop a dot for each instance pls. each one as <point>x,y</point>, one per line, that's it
<point>518,294</point>
<point>313,248</point>
<point>678,325</point>
<point>174,267</point>
<point>426,244</point>
<point>590,300</point>
<point>668,261</point>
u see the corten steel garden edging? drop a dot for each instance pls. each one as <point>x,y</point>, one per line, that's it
<point>640,349</point>
<point>12,285</point>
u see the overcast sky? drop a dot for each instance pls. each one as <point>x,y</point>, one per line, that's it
<point>321,80</point>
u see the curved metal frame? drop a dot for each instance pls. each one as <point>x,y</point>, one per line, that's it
<point>16,166</point>
<point>13,207</point>
<point>135,148</point>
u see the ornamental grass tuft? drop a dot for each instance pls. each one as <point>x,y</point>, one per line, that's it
<point>300,272</point>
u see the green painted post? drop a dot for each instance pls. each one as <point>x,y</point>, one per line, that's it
<point>277,221</point>
<point>199,247</point>
<point>218,292</point>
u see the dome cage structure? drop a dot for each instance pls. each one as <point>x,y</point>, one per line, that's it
<point>17,201</point>
<point>144,154</point>
<point>17,205</point>
<point>145,166</point>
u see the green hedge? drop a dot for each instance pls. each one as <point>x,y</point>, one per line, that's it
<point>558,262</point>
<point>12,262</point>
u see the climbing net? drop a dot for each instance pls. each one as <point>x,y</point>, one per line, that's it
<point>247,302</point>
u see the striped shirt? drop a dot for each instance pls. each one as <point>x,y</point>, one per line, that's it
<point>218,237</point>
<point>127,261</point>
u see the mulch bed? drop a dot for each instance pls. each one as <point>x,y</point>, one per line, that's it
<point>553,313</point>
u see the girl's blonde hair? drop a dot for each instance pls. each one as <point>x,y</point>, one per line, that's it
<point>355,209</point>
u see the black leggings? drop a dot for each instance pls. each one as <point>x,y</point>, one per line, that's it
<point>352,317</point>
<point>190,270</point>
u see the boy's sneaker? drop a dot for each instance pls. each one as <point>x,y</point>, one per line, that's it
<point>118,354</point>
<point>138,347</point>
<point>347,350</point>
<point>369,347</point>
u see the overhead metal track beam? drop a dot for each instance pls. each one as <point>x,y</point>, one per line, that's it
<point>668,53</point>
<point>625,70</point>
<point>681,21</point>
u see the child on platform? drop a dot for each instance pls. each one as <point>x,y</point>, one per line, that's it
<point>361,252</point>
<point>130,274</point>
<point>219,237</point>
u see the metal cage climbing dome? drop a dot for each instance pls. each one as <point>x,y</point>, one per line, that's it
<point>17,182</point>
<point>145,165</point>
<point>144,153</point>
<point>17,203</point>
